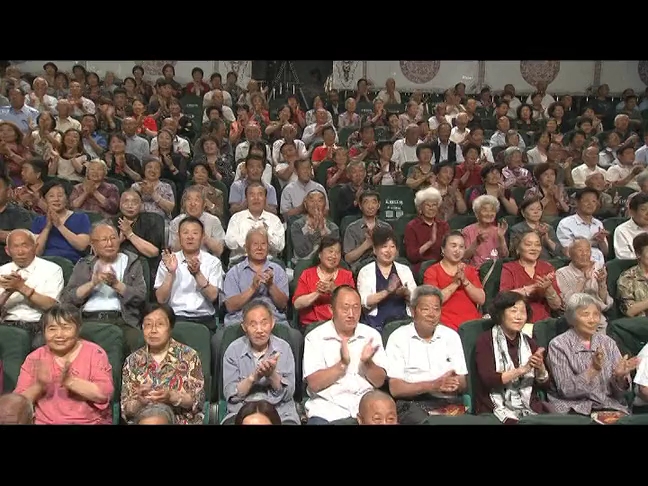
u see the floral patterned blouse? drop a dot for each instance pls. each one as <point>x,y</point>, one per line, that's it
<point>181,369</point>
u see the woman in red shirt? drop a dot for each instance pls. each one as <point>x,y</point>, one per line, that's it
<point>459,283</point>
<point>533,278</point>
<point>423,235</point>
<point>312,297</point>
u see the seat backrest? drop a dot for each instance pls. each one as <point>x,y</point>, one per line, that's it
<point>197,337</point>
<point>332,196</point>
<point>610,224</point>
<point>322,169</point>
<point>93,216</point>
<point>15,346</point>
<point>395,202</point>
<point>629,333</point>
<point>469,332</point>
<point>117,183</point>
<point>460,221</point>
<point>390,327</point>
<point>111,338</point>
<point>547,329</point>
<point>424,266</point>
<point>615,268</point>
<point>399,230</point>
<point>192,108</point>
<point>492,285</point>
<point>66,266</point>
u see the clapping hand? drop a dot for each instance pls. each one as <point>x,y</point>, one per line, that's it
<point>626,365</point>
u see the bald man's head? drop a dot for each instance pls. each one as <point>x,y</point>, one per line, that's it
<point>15,409</point>
<point>377,408</point>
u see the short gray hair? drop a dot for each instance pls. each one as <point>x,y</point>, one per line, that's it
<point>579,239</point>
<point>485,200</point>
<point>642,178</point>
<point>260,230</point>
<point>156,410</point>
<point>101,224</point>
<point>29,234</point>
<point>509,152</point>
<point>576,302</point>
<point>255,303</point>
<point>424,291</point>
<point>430,194</point>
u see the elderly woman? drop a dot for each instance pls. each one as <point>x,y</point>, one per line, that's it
<point>510,365</point>
<point>555,201</point>
<point>155,414</point>
<point>125,167</point>
<point>423,235</point>
<point>588,371</point>
<point>61,232</point>
<point>307,231</point>
<point>138,230</point>
<point>95,194</point>
<point>485,239</point>
<point>260,412</point>
<point>459,283</point>
<point>259,366</point>
<point>632,286</point>
<point>157,196</point>
<point>491,176</point>
<point>312,298</point>
<point>215,203</point>
<point>513,174</point>
<point>28,195</point>
<point>452,200</point>
<point>385,285</point>
<point>531,211</point>
<point>12,150</point>
<point>531,277</point>
<point>69,380</point>
<point>582,275</point>
<point>163,371</point>
<point>421,175</point>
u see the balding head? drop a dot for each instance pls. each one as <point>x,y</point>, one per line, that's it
<point>377,408</point>
<point>15,409</point>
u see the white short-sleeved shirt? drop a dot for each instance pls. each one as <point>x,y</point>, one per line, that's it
<point>45,277</point>
<point>322,350</point>
<point>186,299</point>
<point>641,378</point>
<point>414,360</point>
<point>572,227</point>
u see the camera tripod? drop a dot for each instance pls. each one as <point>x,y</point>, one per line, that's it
<point>287,82</point>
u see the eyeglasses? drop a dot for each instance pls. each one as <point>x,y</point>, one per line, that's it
<point>110,239</point>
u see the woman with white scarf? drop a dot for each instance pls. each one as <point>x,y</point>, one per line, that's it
<point>510,365</point>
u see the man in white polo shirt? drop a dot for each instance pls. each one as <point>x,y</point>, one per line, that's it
<point>29,285</point>
<point>343,360</point>
<point>625,233</point>
<point>189,280</point>
<point>427,369</point>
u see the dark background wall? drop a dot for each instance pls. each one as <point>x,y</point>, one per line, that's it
<point>264,69</point>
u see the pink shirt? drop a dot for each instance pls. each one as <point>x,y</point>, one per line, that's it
<point>488,250</point>
<point>56,406</point>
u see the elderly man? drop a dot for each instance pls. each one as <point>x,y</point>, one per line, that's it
<point>193,204</point>
<point>252,134</point>
<point>292,196</point>
<point>19,113</point>
<point>313,132</point>
<point>95,194</point>
<point>582,275</point>
<point>15,409</point>
<point>80,104</point>
<point>585,225</point>
<point>625,233</point>
<point>255,216</point>
<point>377,408</point>
<point>405,148</point>
<point>109,285</point>
<point>259,366</point>
<point>589,167</point>
<point>254,166</point>
<point>343,360</point>
<point>155,414</point>
<point>29,285</point>
<point>189,280</point>
<point>256,277</point>
<point>11,217</point>
<point>427,368</point>
<point>307,231</point>
<point>39,99</point>
<point>135,145</point>
<point>288,134</point>
<point>64,120</point>
<point>357,236</point>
